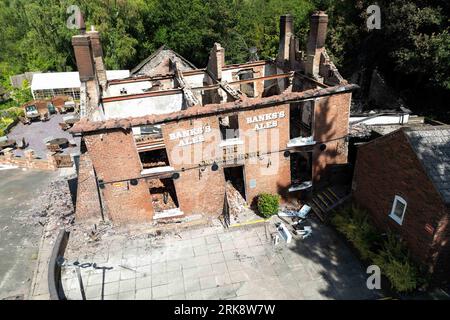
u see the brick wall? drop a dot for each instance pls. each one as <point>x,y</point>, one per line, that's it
<point>270,172</point>
<point>331,116</point>
<point>387,167</point>
<point>114,156</point>
<point>88,203</point>
<point>440,251</point>
<point>29,160</point>
<point>202,191</point>
<point>199,189</point>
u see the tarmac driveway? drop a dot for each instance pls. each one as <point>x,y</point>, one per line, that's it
<point>19,241</point>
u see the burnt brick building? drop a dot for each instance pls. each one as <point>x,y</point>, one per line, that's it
<point>163,142</point>
<point>403,180</point>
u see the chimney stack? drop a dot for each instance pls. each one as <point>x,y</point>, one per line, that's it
<point>94,35</point>
<point>216,61</point>
<point>83,54</point>
<point>97,53</point>
<point>286,33</point>
<point>316,42</point>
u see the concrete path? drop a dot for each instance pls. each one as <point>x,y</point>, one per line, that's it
<point>18,241</point>
<point>212,263</point>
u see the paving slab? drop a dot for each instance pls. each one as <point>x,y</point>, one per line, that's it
<point>240,263</point>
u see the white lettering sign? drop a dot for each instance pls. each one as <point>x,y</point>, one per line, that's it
<point>269,119</point>
<point>192,136</point>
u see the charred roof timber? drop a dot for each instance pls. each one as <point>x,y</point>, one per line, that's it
<point>180,85</point>
<point>85,125</point>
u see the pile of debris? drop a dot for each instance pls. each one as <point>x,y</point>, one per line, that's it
<point>238,209</point>
<point>53,209</point>
<point>236,203</point>
<point>82,234</point>
<point>161,196</point>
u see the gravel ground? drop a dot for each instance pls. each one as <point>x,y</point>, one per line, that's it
<point>37,131</point>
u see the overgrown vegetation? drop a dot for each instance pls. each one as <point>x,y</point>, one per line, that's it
<point>353,223</point>
<point>393,259</point>
<point>268,204</point>
<point>388,252</point>
<point>7,117</point>
<point>10,109</point>
<point>412,48</point>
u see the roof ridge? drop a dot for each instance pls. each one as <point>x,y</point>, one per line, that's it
<point>151,56</point>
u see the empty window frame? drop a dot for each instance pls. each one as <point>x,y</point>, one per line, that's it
<point>154,158</point>
<point>229,127</point>
<point>247,88</point>
<point>163,194</point>
<point>398,209</point>
<point>301,167</point>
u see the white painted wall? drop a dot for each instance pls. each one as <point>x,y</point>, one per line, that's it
<point>132,88</point>
<point>394,119</point>
<point>195,80</point>
<point>144,106</point>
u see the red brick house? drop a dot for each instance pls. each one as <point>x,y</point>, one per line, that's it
<point>164,142</point>
<point>403,180</point>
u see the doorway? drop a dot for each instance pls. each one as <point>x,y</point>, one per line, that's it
<point>301,167</point>
<point>235,175</point>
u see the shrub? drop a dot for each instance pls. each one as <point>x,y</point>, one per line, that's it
<point>389,254</point>
<point>394,261</point>
<point>4,123</point>
<point>8,116</point>
<point>352,222</point>
<point>268,204</point>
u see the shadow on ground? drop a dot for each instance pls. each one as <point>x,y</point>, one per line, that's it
<point>328,257</point>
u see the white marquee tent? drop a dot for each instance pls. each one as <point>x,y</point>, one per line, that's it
<point>47,85</point>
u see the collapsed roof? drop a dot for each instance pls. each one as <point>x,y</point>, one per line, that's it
<point>157,63</point>
<point>167,86</point>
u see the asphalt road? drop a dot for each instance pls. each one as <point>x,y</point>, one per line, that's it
<point>19,241</point>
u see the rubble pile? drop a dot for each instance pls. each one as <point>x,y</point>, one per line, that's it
<point>237,207</point>
<point>54,209</point>
<point>236,203</point>
<point>82,234</point>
